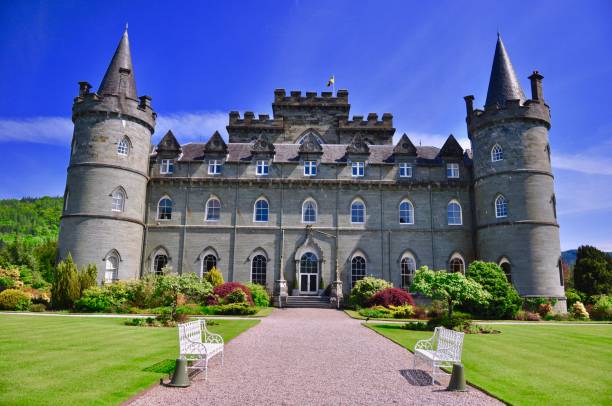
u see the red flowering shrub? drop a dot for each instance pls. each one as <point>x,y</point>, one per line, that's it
<point>391,297</point>
<point>228,287</point>
<point>211,300</point>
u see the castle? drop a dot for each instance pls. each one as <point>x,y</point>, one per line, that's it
<point>309,201</point>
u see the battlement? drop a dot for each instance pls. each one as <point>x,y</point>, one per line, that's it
<point>371,123</point>
<point>263,121</point>
<point>295,98</point>
<point>510,111</point>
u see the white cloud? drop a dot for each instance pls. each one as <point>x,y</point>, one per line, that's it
<point>198,126</point>
<point>427,139</point>
<point>589,164</point>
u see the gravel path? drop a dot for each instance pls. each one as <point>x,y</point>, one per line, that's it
<point>308,357</point>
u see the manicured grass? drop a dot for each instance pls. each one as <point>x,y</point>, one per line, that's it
<point>78,360</point>
<point>355,314</point>
<point>533,364</point>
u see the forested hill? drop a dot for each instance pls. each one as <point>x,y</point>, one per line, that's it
<point>34,219</point>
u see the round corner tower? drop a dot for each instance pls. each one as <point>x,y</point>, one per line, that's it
<point>516,221</point>
<point>104,202</point>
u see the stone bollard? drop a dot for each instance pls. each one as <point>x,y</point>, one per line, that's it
<point>180,379</point>
<point>457,381</point>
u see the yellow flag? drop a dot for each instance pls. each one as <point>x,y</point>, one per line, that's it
<point>331,81</point>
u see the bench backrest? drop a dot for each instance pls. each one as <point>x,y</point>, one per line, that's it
<point>191,331</point>
<point>449,342</point>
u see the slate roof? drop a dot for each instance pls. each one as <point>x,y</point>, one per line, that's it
<point>121,62</point>
<point>503,84</point>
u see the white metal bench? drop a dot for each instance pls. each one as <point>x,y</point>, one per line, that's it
<point>441,350</point>
<point>198,344</point>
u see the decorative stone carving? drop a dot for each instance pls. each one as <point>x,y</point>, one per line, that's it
<point>405,147</point>
<point>358,146</point>
<point>169,146</point>
<point>310,145</point>
<point>262,146</point>
<point>215,144</point>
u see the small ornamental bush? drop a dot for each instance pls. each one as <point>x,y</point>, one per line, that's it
<point>228,287</point>
<point>376,312</point>
<point>87,278</point>
<point>66,287</point>
<point>211,300</point>
<point>573,296</point>
<point>602,309</point>
<point>10,279</point>
<point>416,326</point>
<point>141,293</point>
<point>13,299</point>
<point>545,309</point>
<point>454,322</point>
<point>367,287</point>
<point>391,297</point>
<point>579,311</point>
<point>37,307</point>
<point>402,312</point>
<point>96,299</point>
<point>236,296</point>
<point>214,277</point>
<point>260,295</point>
<point>241,309</point>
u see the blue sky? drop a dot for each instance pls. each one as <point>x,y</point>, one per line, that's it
<point>414,59</point>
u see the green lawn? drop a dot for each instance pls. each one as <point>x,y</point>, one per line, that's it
<point>75,360</point>
<point>533,364</point>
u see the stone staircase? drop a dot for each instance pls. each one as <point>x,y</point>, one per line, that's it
<point>316,302</point>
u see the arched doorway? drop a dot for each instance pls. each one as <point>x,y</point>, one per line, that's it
<point>309,274</point>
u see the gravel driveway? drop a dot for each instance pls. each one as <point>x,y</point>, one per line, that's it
<point>312,357</point>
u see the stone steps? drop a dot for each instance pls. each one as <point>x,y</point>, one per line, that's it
<point>318,302</point>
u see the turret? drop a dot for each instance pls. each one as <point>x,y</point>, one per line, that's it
<point>514,200</point>
<point>103,218</point>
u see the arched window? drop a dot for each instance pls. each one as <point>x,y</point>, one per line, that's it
<point>160,261</point>
<point>358,269</point>
<point>408,268</point>
<point>309,211</point>
<point>164,209</point>
<point>453,213</point>
<point>213,209</point>
<point>501,207</point>
<point>258,269</point>
<point>358,211</point>
<point>261,212</point>
<point>118,200</point>
<point>507,268</point>
<point>406,212</point>
<point>456,264</point>
<point>111,271</point>
<point>123,148</point>
<point>497,153</point>
<point>208,262</point>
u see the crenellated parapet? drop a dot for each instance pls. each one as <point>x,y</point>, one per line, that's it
<point>263,121</point>
<point>371,124</point>
<point>295,98</point>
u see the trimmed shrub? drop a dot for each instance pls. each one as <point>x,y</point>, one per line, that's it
<point>504,301</point>
<point>37,307</point>
<point>527,316</point>
<point>211,300</point>
<point>260,295</point>
<point>236,296</point>
<point>214,277</point>
<point>573,296</point>
<point>13,299</point>
<point>402,312</point>
<point>602,309</point>
<point>241,309</point>
<point>66,287</point>
<point>10,279</point>
<point>87,278</point>
<point>228,287</point>
<point>391,297</point>
<point>365,288</point>
<point>455,322</point>
<point>416,326</point>
<point>141,293</point>
<point>545,309</point>
<point>376,312</point>
<point>579,311</point>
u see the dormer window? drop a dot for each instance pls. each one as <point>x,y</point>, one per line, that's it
<point>452,171</point>
<point>310,168</point>
<point>263,168</point>
<point>405,170</point>
<point>214,167</point>
<point>167,166</point>
<point>358,169</point>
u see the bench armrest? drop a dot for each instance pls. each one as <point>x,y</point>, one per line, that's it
<point>195,347</point>
<point>424,344</point>
<point>212,338</point>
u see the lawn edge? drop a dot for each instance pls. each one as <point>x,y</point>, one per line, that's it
<point>357,316</point>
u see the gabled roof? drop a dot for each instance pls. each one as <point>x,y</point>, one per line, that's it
<point>451,148</point>
<point>119,78</point>
<point>215,144</point>
<point>503,84</point>
<point>310,145</point>
<point>168,146</point>
<point>262,146</point>
<point>405,147</point>
<point>358,145</point>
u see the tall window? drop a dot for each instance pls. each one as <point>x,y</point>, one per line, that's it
<point>123,148</point>
<point>453,213</point>
<point>261,210</point>
<point>309,212</point>
<point>452,171</point>
<point>406,212</point>
<point>358,169</point>
<point>167,166</point>
<point>118,200</point>
<point>208,262</point>
<point>160,261</point>
<point>358,212</point>
<point>501,207</point>
<point>456,264</point>
<point>405,170</point>
<point>213,209</point>
<point>310,168</point>
<point>408,268</point>
<point>111,271</point>
<point>258,270</point>
<point>497,153</point>
<point>358,269</point>
<point>214,167</point>
<point>262,168</point>
<point>164,209</point>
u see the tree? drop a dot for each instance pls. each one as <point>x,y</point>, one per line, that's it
<point>172,286</point>
<point>593,271</point>
<point>505,300</point>
<point>452,287</point>
<point>87,278</point>
<point>214,277</point>
<point>66,287</point>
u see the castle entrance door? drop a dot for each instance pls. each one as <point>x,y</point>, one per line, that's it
<point>309,274</point>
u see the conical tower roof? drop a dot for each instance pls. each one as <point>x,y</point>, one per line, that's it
<point>119,77</point>
<point>503,84</point>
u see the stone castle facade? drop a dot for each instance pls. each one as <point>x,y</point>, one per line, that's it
<point>310,200</point>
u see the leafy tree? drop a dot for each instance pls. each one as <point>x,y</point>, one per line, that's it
<point>365,288</point>
<point>46,256</point>
<point>66,287</point>
<point>173,286</point>
<point>87,278</point>
<point>214,277</point>
<point>452,287</point>
<point>593,271</point>
<point>35,219</point>
<point>505,300</point>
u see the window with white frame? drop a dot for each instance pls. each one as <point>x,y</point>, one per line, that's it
<point>452,171</point>
<point>497,153</point>
<point>358,169</point>
<point>406,212</point>
<point>405,170</point>
<point>164,209</point>
<point>408,268</point>
<point>309,212</point>
<point>118,200</point>
<point>456,264</point>
<point>453,213</point>
<point>358,212</point>
<point>310,168</point>
<point>167,166</point>
<point>258,270</point>
<point>111,270</point>
<point>358,269</point>
<point>262,208</point>
<point>262,168</point>
<point>213,209</point>
<point>501,207</point>
<point>123,148</point>
<point>215,166</point>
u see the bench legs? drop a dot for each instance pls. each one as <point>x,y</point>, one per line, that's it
<point>433,368</point>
